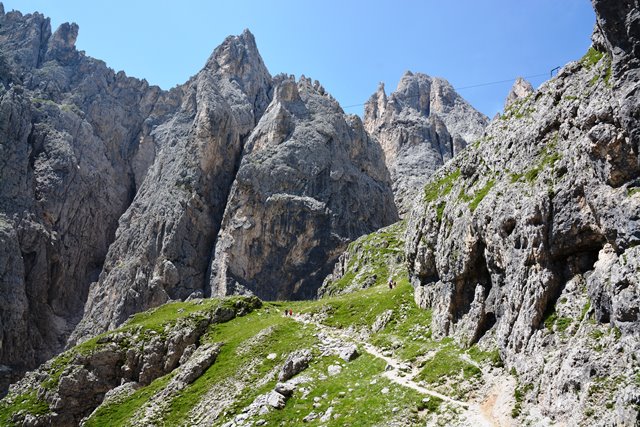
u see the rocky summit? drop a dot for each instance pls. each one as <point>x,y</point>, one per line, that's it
<point>420,126</point>
<point>231,252</point>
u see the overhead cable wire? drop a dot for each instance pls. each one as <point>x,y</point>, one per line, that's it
<point>464,87</point>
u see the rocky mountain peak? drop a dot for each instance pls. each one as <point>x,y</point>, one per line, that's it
<point>236,56</point>
<point>520,90</point>
<point>25,36</point>
<point>62,44</point>
<point>304,166</point>
<point>422,124</point>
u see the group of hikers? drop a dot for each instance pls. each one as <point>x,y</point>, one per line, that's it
<point>288,312</point>
<point>392,283</point>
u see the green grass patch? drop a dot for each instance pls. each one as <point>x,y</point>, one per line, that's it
<point>58,365</point>
<point>519,394</point>
<point>591,58</point>
<point>359,308</point>
<point>585,309</point>
<point>355,400</point>
<point>447,363</point>
<point>120,411</point>
<point>373,259</point>
<point>240,356</point>
<point>27,403</point>
<point>440,210</point>
<point>492,357</point>
<point>548,158</point>
<point>441,187</point>
<point>562,323</point>
<point>481,195</point>
<point>158,318</point>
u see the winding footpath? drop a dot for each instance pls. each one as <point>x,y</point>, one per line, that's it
<point>476,414</point>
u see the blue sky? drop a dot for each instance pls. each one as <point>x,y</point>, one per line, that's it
<point>349,46</point>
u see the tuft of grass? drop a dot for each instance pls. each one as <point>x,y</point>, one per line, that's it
<point>591,58</point>
<point>441,187</point>
<point>519,393</point>
<point>548,158</point>
<point>562,323</point>
<point>440,210</point>
<point>585,309</point>
<point>481,195</point>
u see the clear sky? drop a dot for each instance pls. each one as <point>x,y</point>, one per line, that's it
<point>349,46</point>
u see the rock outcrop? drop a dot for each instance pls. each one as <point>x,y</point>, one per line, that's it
<point>420,126</point>
<point>310,181</point>
<point>530,240</point>
<point>123,361</point>
<point>520,90</point>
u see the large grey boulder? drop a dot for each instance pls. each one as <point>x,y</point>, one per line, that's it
<point>420,126</point>
<point>296,362</point>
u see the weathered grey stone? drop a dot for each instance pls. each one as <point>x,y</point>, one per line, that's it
<point>523,237</point>
<point>334,370</point>
<point>308,183</point>
<point>349,353</point>
<point>286,389</point>
<point>297,362</point>
<point>420,126</point>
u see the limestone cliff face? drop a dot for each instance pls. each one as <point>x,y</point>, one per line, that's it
<point>310,181</point>
<point>114,192</point>
<point>420,126</point>
<point>164,239</point>
<point>530,240</point>
<point>70,157</point>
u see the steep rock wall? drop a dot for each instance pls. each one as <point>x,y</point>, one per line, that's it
<point>529,240</point>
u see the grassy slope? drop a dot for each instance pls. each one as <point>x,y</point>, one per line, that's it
<point>355,394</point>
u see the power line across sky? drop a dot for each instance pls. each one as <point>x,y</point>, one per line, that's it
<point>511,81</point>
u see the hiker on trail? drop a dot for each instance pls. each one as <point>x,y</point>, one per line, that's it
<point>290,312</point>
<point>286,311</point>
<point>390,283</point>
